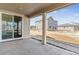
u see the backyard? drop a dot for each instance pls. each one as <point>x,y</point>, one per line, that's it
<point>61,25</point>
<point>69,37</point>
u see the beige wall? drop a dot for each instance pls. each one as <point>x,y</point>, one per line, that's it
<point>25,27</point>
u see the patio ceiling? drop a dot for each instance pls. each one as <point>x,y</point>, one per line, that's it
<point>31,9</point>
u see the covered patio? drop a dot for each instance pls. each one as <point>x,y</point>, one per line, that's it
<point>28,45</point>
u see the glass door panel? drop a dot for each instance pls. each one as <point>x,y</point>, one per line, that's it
<point>7,28</point>
<point>17,26</point>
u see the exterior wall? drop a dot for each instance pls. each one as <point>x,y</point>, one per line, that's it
<point>52,25</point>
<point>25,25</point>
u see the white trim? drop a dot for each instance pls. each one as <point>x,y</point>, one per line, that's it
<point>4,40</point>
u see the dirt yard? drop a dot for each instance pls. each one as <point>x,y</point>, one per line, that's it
<point>70,37</point>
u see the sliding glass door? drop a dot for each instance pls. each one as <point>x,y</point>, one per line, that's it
<point>17,26</point>
<point>7,29</point>
<point>11,26</point>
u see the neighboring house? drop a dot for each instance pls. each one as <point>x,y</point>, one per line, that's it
<point>38,25</point>
<point>50,23</point>
<point>33,27</point>
<point>69,27</point>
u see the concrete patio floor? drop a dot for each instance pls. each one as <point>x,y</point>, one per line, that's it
<point>30,47</point>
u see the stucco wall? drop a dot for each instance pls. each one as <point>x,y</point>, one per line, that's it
<point>25,27</point>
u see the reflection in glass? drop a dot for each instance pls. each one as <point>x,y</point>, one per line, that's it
<point>17,26</point>
<point>6,26</point>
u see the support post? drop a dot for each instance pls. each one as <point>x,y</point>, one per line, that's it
<point>43,28</point>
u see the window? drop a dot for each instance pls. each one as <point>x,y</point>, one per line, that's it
<point>6,26</point>
<point>11,28</point>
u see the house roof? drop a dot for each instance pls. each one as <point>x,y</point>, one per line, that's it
<point>69,24</point>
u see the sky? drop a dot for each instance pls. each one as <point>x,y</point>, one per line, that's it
<point>68,14</point>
